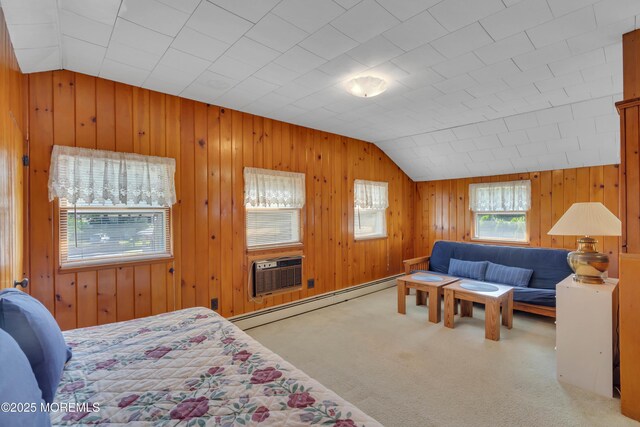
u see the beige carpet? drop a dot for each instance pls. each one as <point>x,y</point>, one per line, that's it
<point>406,372</point>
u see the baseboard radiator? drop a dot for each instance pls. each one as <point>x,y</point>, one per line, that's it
<point>294,308</point>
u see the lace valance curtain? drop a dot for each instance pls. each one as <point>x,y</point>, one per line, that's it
<point>266,188</point>
<point>370,194</point>
<point>96,177</point>
<point>513,196</point>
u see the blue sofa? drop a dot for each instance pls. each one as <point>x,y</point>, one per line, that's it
<point>549,267</point>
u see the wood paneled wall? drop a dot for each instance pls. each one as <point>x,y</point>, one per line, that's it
<point>629,110</point>
<point>11,169</point>
<point>442,207</point>
<point>212,145</point>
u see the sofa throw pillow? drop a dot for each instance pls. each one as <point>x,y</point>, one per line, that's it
<point>506,275</point>
<point>19,386</point>
<point>38,335</point>
<point>470,269</point>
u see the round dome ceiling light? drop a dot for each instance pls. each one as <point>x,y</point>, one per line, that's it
<point>366,86</point>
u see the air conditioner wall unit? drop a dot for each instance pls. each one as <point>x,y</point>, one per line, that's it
<point>276,275</point>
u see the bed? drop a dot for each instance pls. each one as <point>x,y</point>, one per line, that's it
<point>190,367</point>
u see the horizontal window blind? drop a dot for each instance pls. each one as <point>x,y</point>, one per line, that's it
<point>272,227</point>
<point>369,223</point>
<point>97,234</point>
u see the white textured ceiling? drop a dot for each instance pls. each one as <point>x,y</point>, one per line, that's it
<point>476,87</point>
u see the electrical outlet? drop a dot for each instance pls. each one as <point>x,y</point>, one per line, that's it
<point>311,283</point>
<point>214,303</point>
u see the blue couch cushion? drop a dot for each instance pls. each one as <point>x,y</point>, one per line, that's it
<point>470,269</point>
<point>549,265</point>
<point>18,385</point>
<point>38,335</point>
<point>546,297</point>
<point>506,275</point>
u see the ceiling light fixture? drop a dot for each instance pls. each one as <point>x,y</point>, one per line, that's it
<point>366,86</point>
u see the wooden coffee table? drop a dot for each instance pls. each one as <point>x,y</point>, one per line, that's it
<point>424,282</point>
<point>493,301</point>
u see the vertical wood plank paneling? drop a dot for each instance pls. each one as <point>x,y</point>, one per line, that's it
<point>107,302</point>
<point>172,126</point>
<point>159,288</point>
<point>85,103</point>
<point>226,215</point>
<point>87,298</point>
<point>557,204</point>
<point>211,146</point>
<point>142,290</point>
<point>213,188</point>
<point>41,211</point>
<point>552,193</point>
<point>125,294</point>
<point>187,197</point>
<point>201,206</point>
<point>105,115</point>
<point>124,117</point>
<point>64,133</point>
<point>14,113</point>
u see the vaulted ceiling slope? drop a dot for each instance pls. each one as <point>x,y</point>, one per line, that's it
<point>476,87</point>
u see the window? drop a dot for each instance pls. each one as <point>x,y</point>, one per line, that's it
<point>113,207</point>
<point>500,210</point>
<point>271,227</point>
<point>371,200</point>
<point>510,226</point>
<point>90,234</point>
<point>273,201</point>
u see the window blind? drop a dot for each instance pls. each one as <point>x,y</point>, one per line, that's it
<point>272,227</point>
<point>96,234</point>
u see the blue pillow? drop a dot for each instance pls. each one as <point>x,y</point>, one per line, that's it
<point>469,269</point>
<point>38,335</point>
<point>19,386</point>
<point>512,276</point>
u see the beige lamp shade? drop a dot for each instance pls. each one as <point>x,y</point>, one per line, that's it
<point>587,219</point>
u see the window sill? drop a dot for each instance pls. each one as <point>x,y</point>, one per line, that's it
<point>114,264</point>
<point>502,242</point>
<point>364,239</point>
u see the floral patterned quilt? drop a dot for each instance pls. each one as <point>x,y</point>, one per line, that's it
<point>190,368</point>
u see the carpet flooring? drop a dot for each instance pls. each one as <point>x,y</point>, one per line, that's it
<point>406,372</point>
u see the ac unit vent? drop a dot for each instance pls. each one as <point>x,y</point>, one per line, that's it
<point>276,275</point>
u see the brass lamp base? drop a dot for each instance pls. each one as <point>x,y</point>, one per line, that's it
<point>589,265</point>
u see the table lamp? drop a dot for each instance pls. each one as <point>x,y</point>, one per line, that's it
<point>588,219</point>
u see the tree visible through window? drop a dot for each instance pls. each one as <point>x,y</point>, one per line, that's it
<point>501,226</point>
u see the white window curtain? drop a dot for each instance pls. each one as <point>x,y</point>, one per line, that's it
<point>265,188</point>
<point>512,196</point>
<point>371,194</point>
<point>96,177</point>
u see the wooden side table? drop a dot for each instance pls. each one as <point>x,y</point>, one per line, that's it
<point>432,287</point>
<point>493,302</point>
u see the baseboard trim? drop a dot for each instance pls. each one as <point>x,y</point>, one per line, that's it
<point>295,308</point>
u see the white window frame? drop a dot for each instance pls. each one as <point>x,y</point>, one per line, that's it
<point>381,234</point>
<point>500,198</point>
<point>66,263</point>
<point>478,237</point>
<point>372,197</point>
